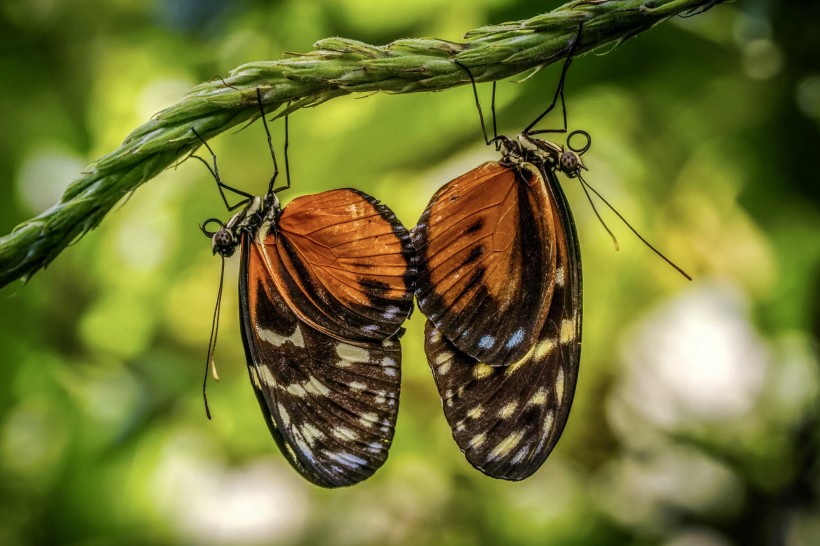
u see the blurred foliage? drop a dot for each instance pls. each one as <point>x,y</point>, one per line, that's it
<point>696,416</point>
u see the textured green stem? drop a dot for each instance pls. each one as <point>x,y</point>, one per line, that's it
<point>336,67</point>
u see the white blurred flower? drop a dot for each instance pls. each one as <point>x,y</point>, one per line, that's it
<point>643,489</point>
<point>696,360</point>
<point>212,503</point>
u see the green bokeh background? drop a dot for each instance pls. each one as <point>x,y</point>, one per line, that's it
<point>696,416</point>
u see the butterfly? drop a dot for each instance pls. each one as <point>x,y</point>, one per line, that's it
<point>325,284</point>
<point>500,284</point>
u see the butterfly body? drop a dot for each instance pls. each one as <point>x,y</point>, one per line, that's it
<point>325,284</point>
<point>500,283</point>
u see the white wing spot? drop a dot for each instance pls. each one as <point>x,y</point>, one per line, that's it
<point>506,445</point>
<point>477,440</point>
<point>277,340</point>
<point>481,370</point>
<point>344,433</point>
<point>521,455</point>
<point>486,342</point>
<point>549,421</point>
<point>443,357</point>
<point>559,276</point>
<point>516,338</point>
<point>475,413</point>
<point>283,415</point>
<point>311,434</point>
<point>351,353</point>
<point>535,354</point>
<point>567,331</point>
<point>368,419</point>
<point>559,384</point>
<point>266,377</point>
<point>508,410</point>
<point>316,387</point>
<point>347,459</point>
<point>391,312</point>
<point>304,448</point>
<point>543,348</point>
<point>444,368</point>
<point>296,390</point>
<point>357,386</point>
<point>539,398</point>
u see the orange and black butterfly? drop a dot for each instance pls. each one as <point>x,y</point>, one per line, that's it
<point>500,283</point>
<point>325,284</point>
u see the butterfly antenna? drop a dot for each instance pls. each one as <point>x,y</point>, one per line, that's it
<point>210,365</point>
<point>595,210</point>
<point>585,184</point>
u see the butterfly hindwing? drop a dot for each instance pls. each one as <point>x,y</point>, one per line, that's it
<point>485,256</point>
<point>507,419</point>
<point>331,405</point>
<point>344,264</point>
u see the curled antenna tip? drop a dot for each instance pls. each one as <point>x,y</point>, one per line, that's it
<point>214,373</point>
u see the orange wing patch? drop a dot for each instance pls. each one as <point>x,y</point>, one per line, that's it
<point>344,264</point>
<point>486,248</point>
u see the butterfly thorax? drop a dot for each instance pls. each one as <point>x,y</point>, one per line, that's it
<point>539,152</point>
<point>255,219</point>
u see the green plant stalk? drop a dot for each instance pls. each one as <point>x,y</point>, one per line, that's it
<point>337,66</point>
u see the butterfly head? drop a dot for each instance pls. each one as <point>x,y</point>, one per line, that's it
<point>224,243</point>
<point>570,162</point>
<point>258,214</point>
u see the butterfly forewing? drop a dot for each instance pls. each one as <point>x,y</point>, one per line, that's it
<point>331,405</point>
<point>344,263</point>
<point>507,419</point>
<point>324,287</point>
<point>486,251</point>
